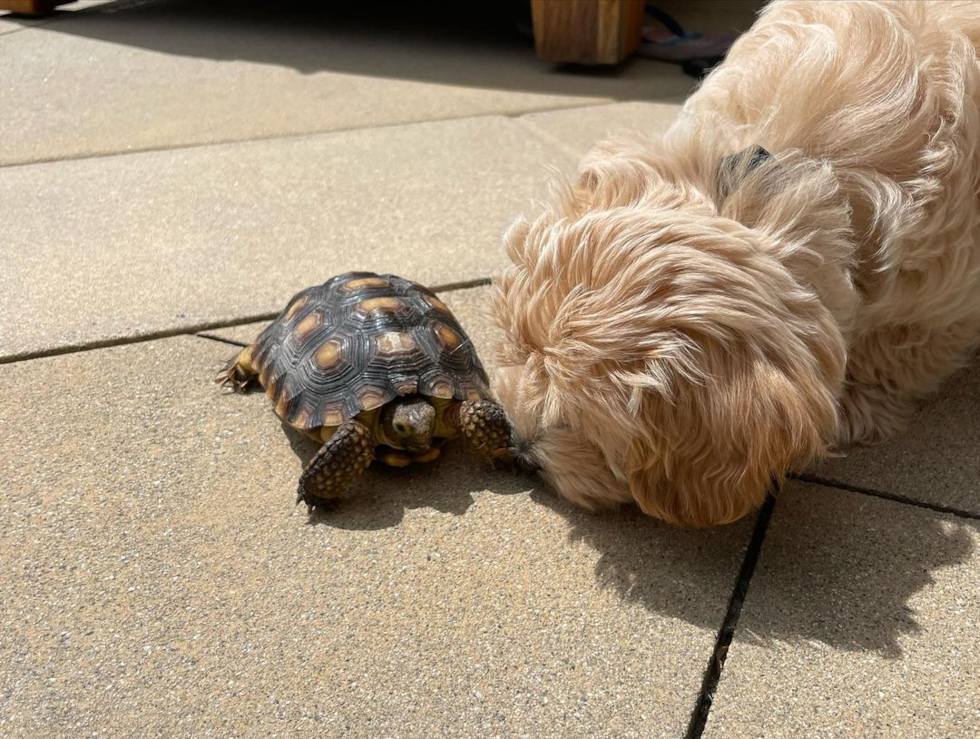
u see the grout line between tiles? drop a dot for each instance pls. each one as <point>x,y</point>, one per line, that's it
<point>894,497</point>
<point>15,30</point>
<point>716,663</point>
<point>192,330</point>
<point>549,138</point>
<point>221,339</point>
<point>514,115</point>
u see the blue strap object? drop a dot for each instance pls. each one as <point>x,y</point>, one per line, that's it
<point>669,23</point>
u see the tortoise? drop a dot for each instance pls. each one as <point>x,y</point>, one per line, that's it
<point>372,366</point>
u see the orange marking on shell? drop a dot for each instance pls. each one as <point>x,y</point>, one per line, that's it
<point>396,342</point>
<point>332,417</point>
<point>442,390</point>
<point>282,406</point>
<point>296,307</point>
<point>473,395</point>
<point>307,325</point>
<point>358,282</point>
<point>449,337</point>
<point>381,304</point>
<point>301,418</point>
<point>328,355</point>
<point>370,398</point>
<point>437,304</point>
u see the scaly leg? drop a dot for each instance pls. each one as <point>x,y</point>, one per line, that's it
<point>334,468</point>
<point>484,425</point>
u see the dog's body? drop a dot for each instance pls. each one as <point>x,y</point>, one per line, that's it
<point>685,323</point>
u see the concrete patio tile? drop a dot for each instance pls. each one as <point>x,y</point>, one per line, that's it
<point>860,621</point>
<point>578,129</point>
<point>159,581</point>
<point>139,244</point>
<point>934,461</point>
<point>163,73</point>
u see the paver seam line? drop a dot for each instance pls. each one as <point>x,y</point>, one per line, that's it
<point>221,339</point>
<point>716,663</point>
<point>550,137</point>
<point>894,497</point>
<point>193,329</point>
<point>514,115</point>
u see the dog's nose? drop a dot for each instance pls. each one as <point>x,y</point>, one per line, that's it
<point>525,465</point>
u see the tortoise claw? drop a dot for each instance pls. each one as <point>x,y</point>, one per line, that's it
<point>238,373</point>
<point>316,505</point>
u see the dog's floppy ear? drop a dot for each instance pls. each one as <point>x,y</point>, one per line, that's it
<point>735,168</point>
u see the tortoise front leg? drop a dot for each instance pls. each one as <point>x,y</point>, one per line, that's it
<point>484,425</point>
<point>340,461</point>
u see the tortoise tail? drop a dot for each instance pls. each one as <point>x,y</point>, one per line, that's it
<point>238,374</point>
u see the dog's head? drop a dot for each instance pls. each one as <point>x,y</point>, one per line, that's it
<point>656,349</point>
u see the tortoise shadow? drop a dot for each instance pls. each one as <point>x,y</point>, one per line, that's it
<point>381,497</point>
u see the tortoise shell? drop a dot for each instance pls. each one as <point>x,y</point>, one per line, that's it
<point>357,342</point>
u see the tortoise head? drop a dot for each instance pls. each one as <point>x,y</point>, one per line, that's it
<point>409,424</point>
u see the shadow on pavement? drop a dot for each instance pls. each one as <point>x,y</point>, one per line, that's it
<point>381,497</point>
<point>470,45</point>
<point>839,568</point>
<point>831,569</point>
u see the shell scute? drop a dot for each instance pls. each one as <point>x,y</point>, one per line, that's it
<point>357,342</point>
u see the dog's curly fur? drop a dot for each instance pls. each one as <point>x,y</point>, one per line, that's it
<point>683,324</point>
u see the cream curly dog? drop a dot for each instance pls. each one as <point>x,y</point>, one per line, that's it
<point>786,272</point>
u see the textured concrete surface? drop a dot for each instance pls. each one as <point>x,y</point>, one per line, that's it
<point>159,580</point>
<point>159,73</point>
<point>934,461</point>
<point>578,129</point>
<point>860,621</point>
<point>120,246</point>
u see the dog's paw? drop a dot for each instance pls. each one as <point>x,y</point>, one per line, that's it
<point>870,415</point>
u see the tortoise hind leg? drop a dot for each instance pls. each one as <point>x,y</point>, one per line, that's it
<point>334,468</point>
<point>239,374</point>
<point>484,425</point>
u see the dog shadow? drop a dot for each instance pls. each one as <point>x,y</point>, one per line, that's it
<point>667,569</point>
<point>845,569</point>
<point>849,584</point>
<point>835,567</point>
<point>380,498</point>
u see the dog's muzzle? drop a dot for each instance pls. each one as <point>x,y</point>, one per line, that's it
<point>523,456</point>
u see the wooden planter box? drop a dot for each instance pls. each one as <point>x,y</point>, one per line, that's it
<point>31,7</point>
<point>567,31</point>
